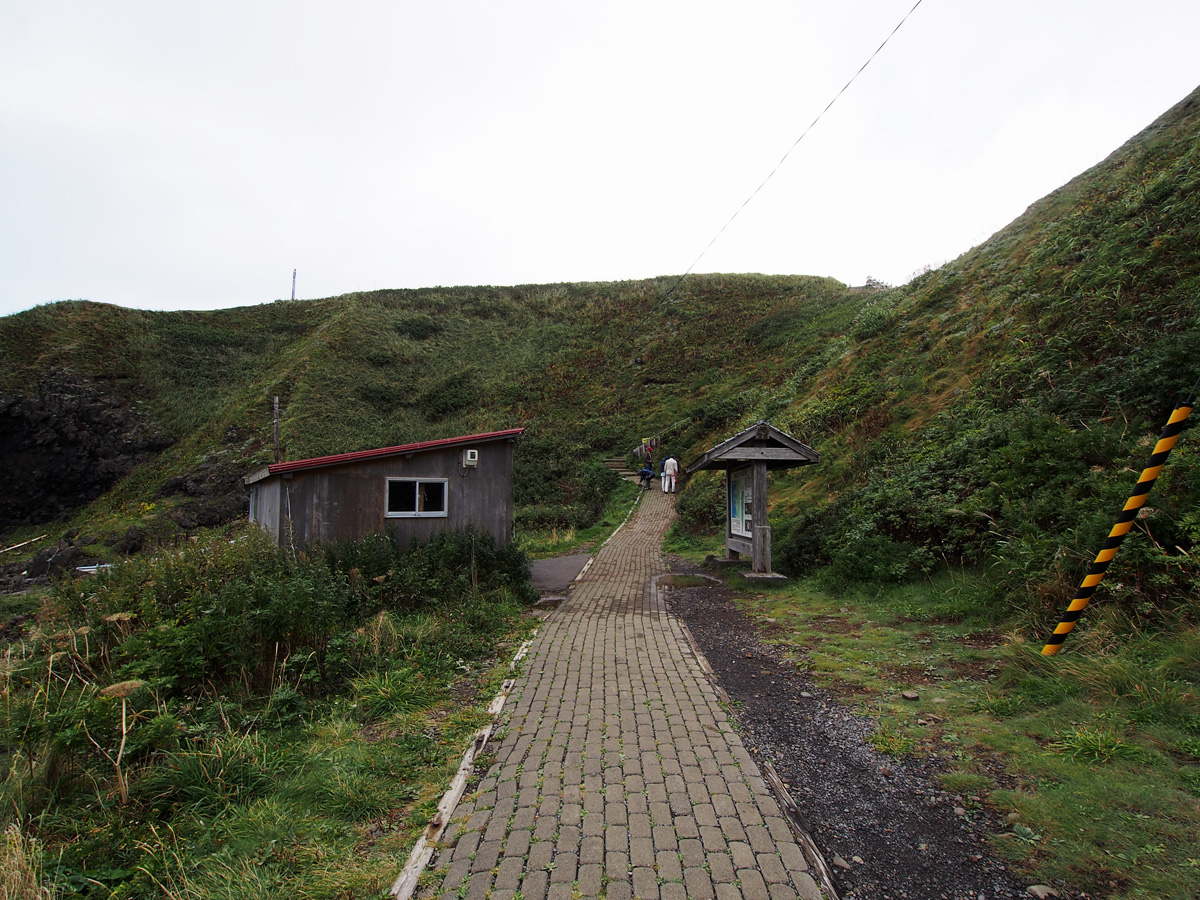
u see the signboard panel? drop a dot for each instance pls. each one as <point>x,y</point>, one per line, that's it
<point>741,502</point>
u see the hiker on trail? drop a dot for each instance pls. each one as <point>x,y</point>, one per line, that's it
<point>645,473</point>
<point>670,470</point>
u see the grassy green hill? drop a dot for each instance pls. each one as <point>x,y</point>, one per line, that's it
<point>988,418</point>
<point>570,362</point>
<point>985,411</point>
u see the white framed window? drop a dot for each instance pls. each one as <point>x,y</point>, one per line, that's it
<point>416,498</point>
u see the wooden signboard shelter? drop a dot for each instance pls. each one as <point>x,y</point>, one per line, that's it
<point>747,458</point>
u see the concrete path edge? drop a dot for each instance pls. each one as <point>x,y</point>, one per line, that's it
<point>426,845</point>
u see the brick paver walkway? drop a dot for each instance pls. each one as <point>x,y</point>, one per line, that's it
<point>617,774</point>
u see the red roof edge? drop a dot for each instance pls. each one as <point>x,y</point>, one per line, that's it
<point>318,462</point>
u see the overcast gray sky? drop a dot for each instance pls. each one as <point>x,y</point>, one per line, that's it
<point>167,155</point>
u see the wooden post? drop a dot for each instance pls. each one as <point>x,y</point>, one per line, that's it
<point>276,429</point>
<point>762,530</point>
<point>762,551</point>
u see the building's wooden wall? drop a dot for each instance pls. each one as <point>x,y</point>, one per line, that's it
<point>348,501</point>
<point>264,505</point>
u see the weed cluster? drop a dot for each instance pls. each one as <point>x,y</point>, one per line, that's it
<point>1092,755</point>
<point>231,702</point>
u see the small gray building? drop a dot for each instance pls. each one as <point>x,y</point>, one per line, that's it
<point>414,490</point>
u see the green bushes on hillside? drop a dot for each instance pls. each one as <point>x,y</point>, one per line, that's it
<point>558,484</point>
<point>1023,495</point>
<point>164,698</point>
<point>701,505</point>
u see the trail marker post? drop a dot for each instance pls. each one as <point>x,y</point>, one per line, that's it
<point>1095,572</point>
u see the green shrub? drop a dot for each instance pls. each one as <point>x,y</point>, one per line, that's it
<point>543,518</point>
<point>875,318</point>
<point>798,544</point>
<point>877,557</point>
<point>180,688</point>
<point>221,615</point>
<point>450,395</point>
<point>701,506</point>
<point>556,483</point>
<point>399,690</point>
<point>418,326</point>
<point>386,574</point>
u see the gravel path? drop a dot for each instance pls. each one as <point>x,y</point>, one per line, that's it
<point>897,835</point>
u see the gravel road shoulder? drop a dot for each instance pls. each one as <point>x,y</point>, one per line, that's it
<point>889,829</point>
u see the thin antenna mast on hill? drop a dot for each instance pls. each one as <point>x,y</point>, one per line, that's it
<point>293,284</point>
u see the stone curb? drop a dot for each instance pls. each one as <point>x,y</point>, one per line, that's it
<point>422,852</point>
<point>795,818</point>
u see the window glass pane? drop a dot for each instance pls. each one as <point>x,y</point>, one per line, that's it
<point>433,496</point>
<point>402,497</point>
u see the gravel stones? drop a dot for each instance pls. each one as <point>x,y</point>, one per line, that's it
<point>915,841</point>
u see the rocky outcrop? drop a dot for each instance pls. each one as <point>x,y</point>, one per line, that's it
<point>211,494</point>
<point>65,444</point>
<point>47,563</point>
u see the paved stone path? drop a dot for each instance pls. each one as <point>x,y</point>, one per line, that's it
<point>617,774</point>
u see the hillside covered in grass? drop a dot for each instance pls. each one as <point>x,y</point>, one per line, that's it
<point>569,362</point>
<point>979,427</point>
<point>996,400</point>
<point>986,413</point>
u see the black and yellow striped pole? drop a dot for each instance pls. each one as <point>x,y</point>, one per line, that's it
<point>1095,572</point>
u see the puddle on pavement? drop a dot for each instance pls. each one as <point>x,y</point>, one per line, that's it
<point>684,581</point>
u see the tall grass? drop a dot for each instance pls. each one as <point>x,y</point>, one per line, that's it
<point>21,868</point>
<point>228,709</point>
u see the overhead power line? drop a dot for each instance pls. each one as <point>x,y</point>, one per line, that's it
<point>770,175</point>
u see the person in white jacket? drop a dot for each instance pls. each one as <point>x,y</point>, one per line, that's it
<point>670,470</point>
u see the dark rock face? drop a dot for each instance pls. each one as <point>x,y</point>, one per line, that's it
<point>214,492</point>
<point>55,560</point>
<point>65,445</point>
<point>46,564</point>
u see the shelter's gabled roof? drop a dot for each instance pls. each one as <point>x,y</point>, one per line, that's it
<point>401,450</point>
<point>761,442</point>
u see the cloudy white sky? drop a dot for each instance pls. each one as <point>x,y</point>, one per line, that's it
<point>167,155</point>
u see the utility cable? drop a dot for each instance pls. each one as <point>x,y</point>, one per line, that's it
<point>755,192</point>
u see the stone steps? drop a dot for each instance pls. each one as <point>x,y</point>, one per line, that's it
<point>620,465</point>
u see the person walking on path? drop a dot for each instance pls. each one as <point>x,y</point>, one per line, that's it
<point>616,772</point>
<point>670,470</point>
